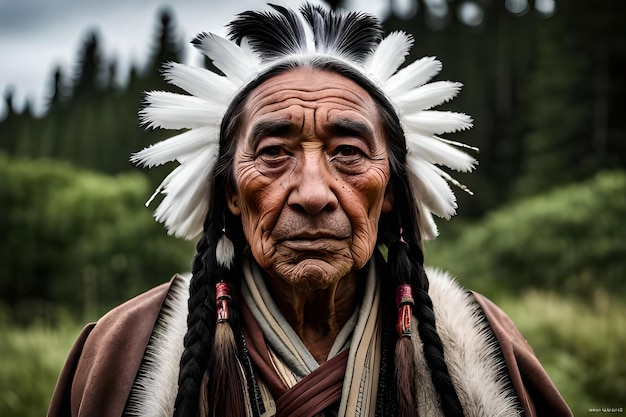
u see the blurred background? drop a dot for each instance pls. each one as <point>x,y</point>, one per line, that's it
<point>544,234</point>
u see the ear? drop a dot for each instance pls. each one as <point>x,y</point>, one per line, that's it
<point>232,200</point>
<point>389,199</point>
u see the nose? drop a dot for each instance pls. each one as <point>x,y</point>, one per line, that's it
<point>313,192</point>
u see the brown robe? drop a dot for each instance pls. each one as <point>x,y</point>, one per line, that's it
<point>101,367</point>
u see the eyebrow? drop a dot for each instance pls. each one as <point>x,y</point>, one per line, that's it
<point>283,127</point>
<point>351,127</point>
<point>266,128</point>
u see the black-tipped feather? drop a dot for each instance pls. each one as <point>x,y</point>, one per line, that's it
<point>273,34</point>
<point>270,34</point>
<point>352,34</point>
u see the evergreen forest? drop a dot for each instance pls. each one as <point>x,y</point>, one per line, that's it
<point>543,235</point>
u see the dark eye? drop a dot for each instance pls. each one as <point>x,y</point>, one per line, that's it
<point>350,159</point>
<point>271,152</point>
<point>348,151</point>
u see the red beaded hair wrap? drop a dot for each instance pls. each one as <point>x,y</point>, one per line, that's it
<point>222,298</point>
<point>405,303</point>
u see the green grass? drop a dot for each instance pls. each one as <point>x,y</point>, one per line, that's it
<point>30,361</point>
<point>581,345</point>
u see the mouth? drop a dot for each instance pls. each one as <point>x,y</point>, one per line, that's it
<point>313,245</point>
<point>313,235</point>
<point>313,241</point>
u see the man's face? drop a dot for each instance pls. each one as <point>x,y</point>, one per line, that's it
<point>311,177</point>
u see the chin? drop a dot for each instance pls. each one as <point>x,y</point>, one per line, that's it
<point>311,274</point>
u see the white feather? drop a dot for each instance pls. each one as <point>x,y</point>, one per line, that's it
<point>427,96</point>
<point>240,65</point>
<point>247,50</point>
<point>225,252</point>
<point>172,175</point>
<point>436,152</point>
<point>192,173</point>
<point>187,190</point>
<point>176,111</point>
<point>459,144</point>
<point>193,225</point>
<point>179,202</point>
<point>443,174</point>
<point>437,122</point>
<point>427,226</point>
<point>388,56</point>
<point>200,82</point>
<point>176,147</point>
<point>430,188</point>
<point>413,75</point>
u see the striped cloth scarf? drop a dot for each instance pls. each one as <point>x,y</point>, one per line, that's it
<point>359,340</point>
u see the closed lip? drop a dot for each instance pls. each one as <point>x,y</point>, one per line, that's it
<point>307,235</point>
<point>323,244</point>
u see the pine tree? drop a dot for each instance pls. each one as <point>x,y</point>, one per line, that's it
<point>88,78</point>
<point>57,94</point>
<point>167,47</point>
<point>8,125</point>
<point>572,102</point>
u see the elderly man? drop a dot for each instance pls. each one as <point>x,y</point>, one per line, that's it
<point>304,155</point>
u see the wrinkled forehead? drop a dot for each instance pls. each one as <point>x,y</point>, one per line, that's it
<point>327,93</point>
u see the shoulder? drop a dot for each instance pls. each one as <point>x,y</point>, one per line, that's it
<point>133,312</point>
<point>102,366</point>
<point>539,395</point>
<point>536,392</point>
<point>127,326</point>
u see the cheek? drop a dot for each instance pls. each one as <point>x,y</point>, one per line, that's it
<point>260,200</point>
<point>363,200</point>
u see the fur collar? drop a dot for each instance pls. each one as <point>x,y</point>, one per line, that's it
<point>154,392</point>
<point>472,354</point>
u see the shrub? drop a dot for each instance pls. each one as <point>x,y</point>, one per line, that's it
<point>570,240</point>
<point>78,239</point>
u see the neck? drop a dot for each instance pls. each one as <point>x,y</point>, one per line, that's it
<point>317,316</point>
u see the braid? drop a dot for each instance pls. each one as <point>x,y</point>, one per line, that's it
<point>198,339</point>
<point>432,345</point>
<point>226,386</point>
<point>406,269</point>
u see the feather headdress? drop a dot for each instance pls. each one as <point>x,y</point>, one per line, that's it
<point>259,41</point>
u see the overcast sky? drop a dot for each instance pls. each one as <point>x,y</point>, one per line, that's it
<point>37,35</point>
